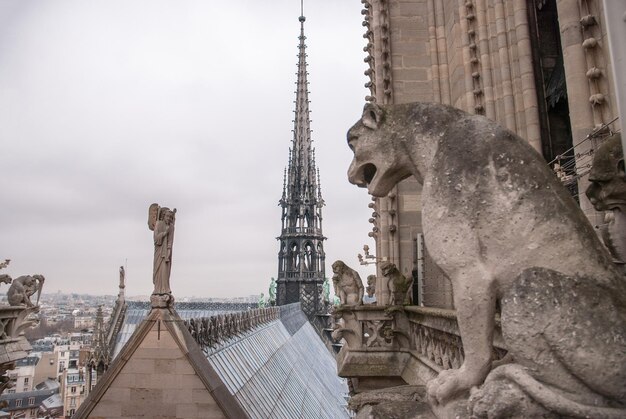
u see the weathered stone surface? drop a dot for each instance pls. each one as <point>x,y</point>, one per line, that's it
<point>607,192</point>
<point>399,286</point>
<point>397,410</point>
<point>22,288</point>
<point>161,220</point>
<point>395,402</point>
<point>501,226</point>
<point>156,376</point>
<point>348,284</point>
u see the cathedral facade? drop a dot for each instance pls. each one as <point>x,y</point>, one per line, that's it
<point>541,68</point>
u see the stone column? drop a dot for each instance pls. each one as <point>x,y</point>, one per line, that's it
<point>575,64</point>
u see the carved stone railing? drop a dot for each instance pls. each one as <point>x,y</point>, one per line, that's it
<point>375,339</point>
<point>435,338</point>
<point>301,230</point>
<point>411,342</point>
<point>198,305</point>
<point>212,332</point>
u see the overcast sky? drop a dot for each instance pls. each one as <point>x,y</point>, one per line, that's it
<point>108,106</point>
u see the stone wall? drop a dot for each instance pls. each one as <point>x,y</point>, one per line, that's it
<point>475,55</point>
<point>158,381</point>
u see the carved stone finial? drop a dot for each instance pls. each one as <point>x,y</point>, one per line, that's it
<point>348,284</point>
<point>4,278</point>
<point>161,220</point>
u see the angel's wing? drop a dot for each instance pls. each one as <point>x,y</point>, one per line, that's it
<point>153,213</point>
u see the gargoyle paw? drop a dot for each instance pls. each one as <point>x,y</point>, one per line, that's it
<point>449,384</point>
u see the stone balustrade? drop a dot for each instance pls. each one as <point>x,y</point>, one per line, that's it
<point>212,332</point>
<point>411,342</point>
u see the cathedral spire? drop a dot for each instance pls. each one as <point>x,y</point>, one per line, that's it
<point>301,166</point>
<point>301,256</point>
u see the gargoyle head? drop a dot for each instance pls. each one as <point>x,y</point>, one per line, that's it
<point>379,161</point>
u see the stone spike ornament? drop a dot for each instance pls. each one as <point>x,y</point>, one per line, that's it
<point>301,255</point>
<point>161,221</point>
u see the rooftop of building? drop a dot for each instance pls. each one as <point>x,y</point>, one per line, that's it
<point>138,310</point>
<point>281,369</point>
<point>30,360</point>
<point>26,399</point>
<point>263,363</point>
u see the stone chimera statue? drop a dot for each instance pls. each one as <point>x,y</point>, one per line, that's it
<point>348,284</point>
<point>503,228</point>
<point>398,285</point>
<point>22,288</point>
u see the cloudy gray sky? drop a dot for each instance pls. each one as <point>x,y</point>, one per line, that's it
<point>107,106</point>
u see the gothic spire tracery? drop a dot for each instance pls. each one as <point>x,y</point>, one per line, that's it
<point>301,255</point>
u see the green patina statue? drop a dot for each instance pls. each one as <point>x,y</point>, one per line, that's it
<point>272,291</point>
<point>326,288</point>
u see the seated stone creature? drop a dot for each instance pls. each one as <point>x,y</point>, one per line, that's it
<point>348,284</point>
<point>22,288</point>
<point>399,286</point>
<point>503,229</point>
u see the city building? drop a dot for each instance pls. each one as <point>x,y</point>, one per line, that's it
<point>73,389</point>
<point>26,404</point>
<point>47,367</point>
<point>23,375</point>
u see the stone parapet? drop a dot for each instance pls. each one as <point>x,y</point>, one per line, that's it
<point>408,342</point>
<point>215,331</point>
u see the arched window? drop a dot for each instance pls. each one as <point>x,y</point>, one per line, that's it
<point>309,256</point>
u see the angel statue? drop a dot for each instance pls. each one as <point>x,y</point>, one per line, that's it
<point>161,220</point>
<point>122,277</point>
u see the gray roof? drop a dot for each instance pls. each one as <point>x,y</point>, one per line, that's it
<point>38,397</point>
<point>279,369</point>
<point>137,311</point>
<point>277,374</point>
<point>53,402</point>
<point>29,360</point>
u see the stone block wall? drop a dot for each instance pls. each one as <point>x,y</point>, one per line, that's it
<point>475,55</point>
<point>157,382</point>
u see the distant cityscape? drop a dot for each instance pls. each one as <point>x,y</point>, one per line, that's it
<point>58,374</point>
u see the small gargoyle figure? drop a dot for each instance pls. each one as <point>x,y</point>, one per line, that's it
<point>348,284</point>
<point>607,192</point>
<point>371,286</point>
<point>399,286</point>
<point>22,288</point>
